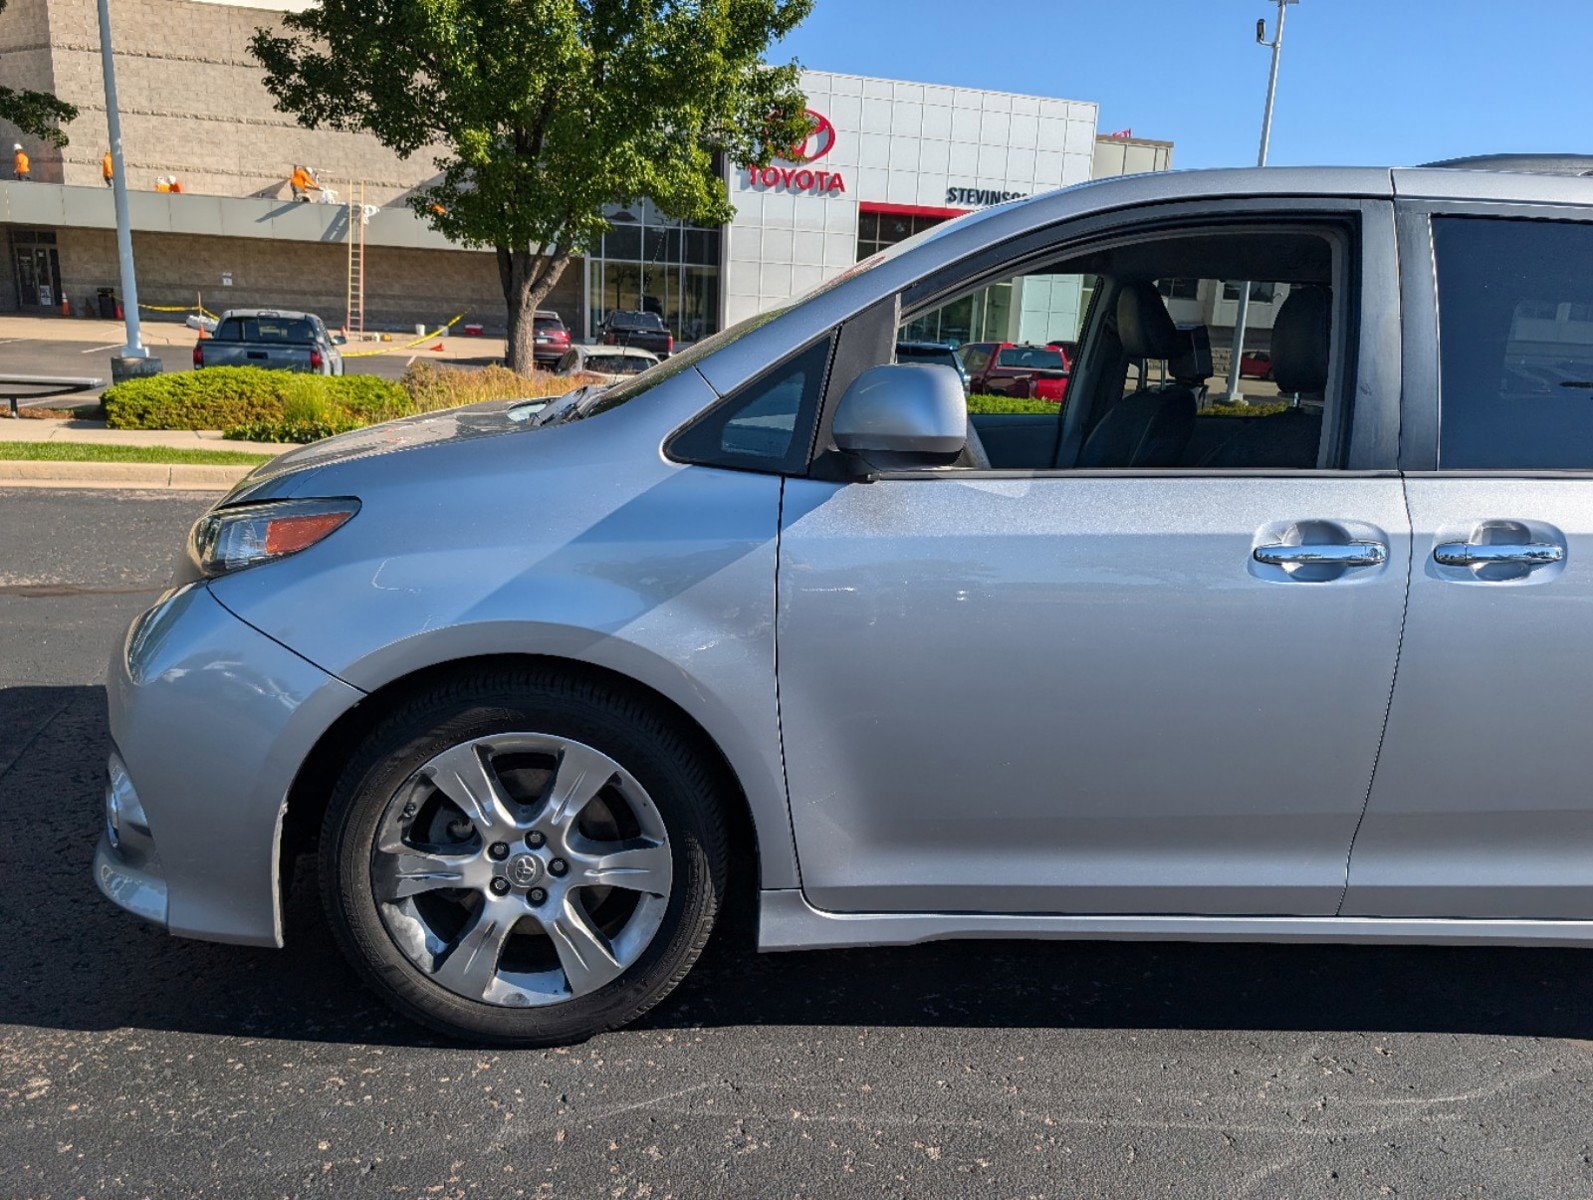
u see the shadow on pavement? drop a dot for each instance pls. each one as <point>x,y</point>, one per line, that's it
<point>74,962</point>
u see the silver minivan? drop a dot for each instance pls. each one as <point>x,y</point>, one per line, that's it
<point>783,625</point>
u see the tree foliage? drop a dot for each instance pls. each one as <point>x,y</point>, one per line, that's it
<point>541,112</point>
<point>36,113</point>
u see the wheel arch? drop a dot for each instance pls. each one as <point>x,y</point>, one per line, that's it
<point>312,786</point>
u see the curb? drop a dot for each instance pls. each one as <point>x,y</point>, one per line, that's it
<point>165,476</point>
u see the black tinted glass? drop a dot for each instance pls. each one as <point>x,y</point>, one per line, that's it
<point>1515,306</point>
<point>768,424</point>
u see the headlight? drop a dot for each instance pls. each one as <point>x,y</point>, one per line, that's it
<point>229,539</point>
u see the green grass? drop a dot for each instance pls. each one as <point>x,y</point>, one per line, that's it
<point>93,452</point>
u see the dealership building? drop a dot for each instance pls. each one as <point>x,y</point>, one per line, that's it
<point>887,158</point>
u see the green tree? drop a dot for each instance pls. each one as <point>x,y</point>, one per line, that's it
<point>540,112</point>
<point>36,113</point>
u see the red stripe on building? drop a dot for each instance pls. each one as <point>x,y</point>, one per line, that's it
<point>911,210</point>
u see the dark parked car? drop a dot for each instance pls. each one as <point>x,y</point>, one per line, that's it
<point>551,338</point>
<point>1010,369</point>
<point>644,330</point>
<point>932,352</point>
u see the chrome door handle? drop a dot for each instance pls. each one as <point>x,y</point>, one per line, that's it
<point>1347,554</point>
<point>1469,554</point>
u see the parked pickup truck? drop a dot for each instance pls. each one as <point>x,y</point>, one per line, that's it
<point>262,337</point>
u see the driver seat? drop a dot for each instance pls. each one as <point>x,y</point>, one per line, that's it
<point>1151,426</point>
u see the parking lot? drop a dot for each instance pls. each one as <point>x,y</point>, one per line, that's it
<point>43,346</point>
<point>132,1064</point>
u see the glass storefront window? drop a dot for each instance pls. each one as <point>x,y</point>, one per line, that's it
<point>650,263</point>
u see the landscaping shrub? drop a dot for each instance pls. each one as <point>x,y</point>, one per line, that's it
<point>1252,409</point>
<point>432,387</point>
<point>232,397</point>
<point>985,403</point>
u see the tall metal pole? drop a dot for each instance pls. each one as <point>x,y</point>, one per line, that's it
<point>1243,311</point>
<point>124,228</point>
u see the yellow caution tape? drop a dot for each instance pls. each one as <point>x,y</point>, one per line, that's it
<point>171,308</point>
<point>438,332</point>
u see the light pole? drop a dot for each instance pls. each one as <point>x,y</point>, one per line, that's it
<point>1276,45</point>
<point>124,229</point>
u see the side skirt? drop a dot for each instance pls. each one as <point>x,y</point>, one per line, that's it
<point>786,921</point>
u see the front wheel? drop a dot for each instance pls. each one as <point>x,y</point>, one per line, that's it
<point>524,858</point>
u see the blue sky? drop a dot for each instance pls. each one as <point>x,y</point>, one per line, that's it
<point>1362,81</point>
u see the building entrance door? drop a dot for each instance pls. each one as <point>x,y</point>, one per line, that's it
<point>38,269</point>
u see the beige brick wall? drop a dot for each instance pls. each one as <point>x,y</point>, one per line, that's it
<point>192,101</point>
<point>26,64</point>
<point>402,287</point>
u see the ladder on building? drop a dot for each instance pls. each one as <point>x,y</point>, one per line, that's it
<point>354,308</point>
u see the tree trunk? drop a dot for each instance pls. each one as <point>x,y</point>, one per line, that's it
<point>527,279</point>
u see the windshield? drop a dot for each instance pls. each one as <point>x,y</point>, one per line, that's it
<point>635,320</point>
<point>265,329</point>
<point>1033,358</point>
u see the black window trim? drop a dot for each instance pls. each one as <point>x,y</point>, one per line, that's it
<point>1420,358</point>
<point>803,434</point>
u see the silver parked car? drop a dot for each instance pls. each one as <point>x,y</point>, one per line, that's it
<point>543,685</point>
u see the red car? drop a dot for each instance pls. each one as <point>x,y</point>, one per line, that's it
<point>1021,371</point>
<point>550,339</point>
<point>1255,364</point>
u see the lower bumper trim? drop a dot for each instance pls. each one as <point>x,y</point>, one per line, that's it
<point>140,893</point>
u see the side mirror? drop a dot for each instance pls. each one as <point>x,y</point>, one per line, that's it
<point>903,415</point>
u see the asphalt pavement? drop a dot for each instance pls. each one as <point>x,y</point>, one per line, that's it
<point>133,1064</point>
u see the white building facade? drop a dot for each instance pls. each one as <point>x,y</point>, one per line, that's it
<point>887,159</point>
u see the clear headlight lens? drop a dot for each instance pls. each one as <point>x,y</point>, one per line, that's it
<point>230,539</point>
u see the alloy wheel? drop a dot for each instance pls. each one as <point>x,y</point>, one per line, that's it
<point>521,869</point>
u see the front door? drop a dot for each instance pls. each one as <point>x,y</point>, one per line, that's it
<point>1150,676</point>
<point>1483,802</point>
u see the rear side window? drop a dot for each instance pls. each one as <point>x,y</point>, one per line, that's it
<point>1515,311</point>
<point>767,425</point>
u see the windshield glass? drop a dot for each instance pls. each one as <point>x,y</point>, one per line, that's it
<point>265,329</point>
<point>635,320</point>
<point>1034,358</point>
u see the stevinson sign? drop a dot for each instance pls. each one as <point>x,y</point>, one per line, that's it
<point>794,172</point>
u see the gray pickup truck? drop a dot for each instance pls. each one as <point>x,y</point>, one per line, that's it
<point>262,337</point>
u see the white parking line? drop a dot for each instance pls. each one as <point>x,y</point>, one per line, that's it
<point>101,349</point>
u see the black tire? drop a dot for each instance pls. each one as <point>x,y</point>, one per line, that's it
<point>620,722</point>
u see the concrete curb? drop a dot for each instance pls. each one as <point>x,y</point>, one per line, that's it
<point>179,476</point>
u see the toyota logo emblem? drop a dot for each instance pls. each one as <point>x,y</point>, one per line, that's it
<point>819,142</point>
<point>522,870</point>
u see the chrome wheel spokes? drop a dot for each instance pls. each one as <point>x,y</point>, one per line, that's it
<point>521,869</point>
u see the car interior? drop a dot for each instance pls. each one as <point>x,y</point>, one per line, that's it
<point>1143,393</point>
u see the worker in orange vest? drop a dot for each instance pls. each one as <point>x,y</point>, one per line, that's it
<point>303,183</point>
<point>20,161</point>
<point>108,169</point>
<point>163,183</point>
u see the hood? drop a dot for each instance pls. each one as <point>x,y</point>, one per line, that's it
<point>487,419</point>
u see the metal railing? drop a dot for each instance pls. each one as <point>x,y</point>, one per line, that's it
<point>16,388</point>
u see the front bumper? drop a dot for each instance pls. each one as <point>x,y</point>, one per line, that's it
<point>140,891</point>
<point>213,720</point>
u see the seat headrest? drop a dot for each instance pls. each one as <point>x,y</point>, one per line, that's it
<point>1301,333</point>
<point>1143,325</point>
<point>1192,365</point>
